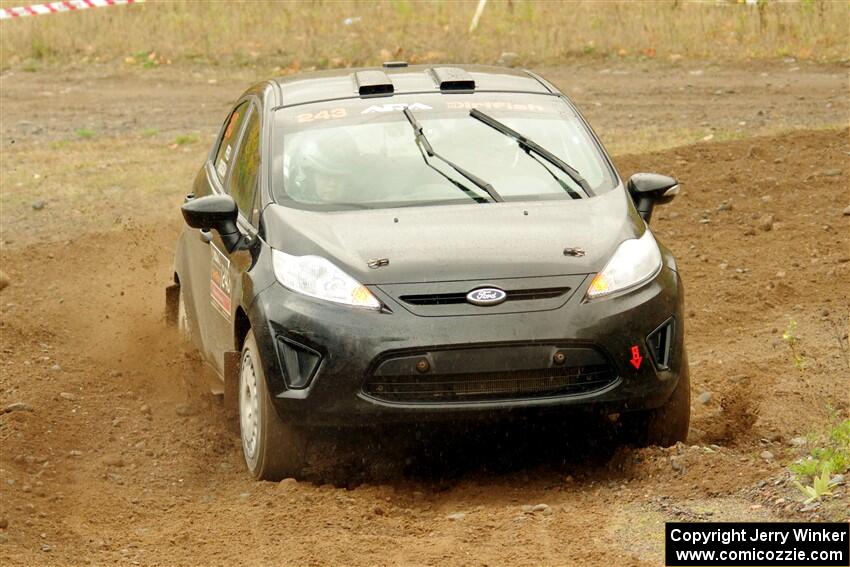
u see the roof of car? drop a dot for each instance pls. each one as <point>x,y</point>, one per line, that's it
<point>345,83</point>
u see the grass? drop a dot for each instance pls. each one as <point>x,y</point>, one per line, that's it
<point>84,133</point>
<point>830,455</point>
<point>185,139</point>
<point>300,35</point>
<point>831,452</point>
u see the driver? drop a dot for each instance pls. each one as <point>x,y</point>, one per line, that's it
<point>326,166</point>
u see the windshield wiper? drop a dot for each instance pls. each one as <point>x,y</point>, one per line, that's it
<point>532,146</point>
<point>569,190</point>
<point>425,145</point>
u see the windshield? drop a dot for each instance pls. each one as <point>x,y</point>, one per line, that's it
<point>363,153</point>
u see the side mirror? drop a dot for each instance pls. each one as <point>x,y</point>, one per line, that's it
<point>214,212</point>
<point>650,189</point>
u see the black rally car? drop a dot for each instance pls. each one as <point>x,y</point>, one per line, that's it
<point>413,243</point>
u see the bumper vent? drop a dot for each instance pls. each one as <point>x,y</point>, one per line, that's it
<point>299,362</point>
<point>491,386</point>
<point>660,343</point>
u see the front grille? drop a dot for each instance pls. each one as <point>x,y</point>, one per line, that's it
<point>448,298</point>
<point>460,297</point>
<point>490,386</point>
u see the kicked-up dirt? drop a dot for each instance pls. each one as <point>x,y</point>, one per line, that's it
<point>113,451</point>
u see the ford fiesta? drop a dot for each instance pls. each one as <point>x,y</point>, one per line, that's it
<point>412,244</point>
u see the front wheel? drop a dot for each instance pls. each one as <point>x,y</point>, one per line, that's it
<point>272,449</point>
<point>666,425</point>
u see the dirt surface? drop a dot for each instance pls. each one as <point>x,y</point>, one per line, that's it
<point>120,455</point>
<point>698,96</point>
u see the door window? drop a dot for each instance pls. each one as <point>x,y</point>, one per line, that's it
<point>246,167</point>
<point>224,156</point>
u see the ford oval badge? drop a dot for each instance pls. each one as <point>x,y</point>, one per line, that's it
<point>486,296</point>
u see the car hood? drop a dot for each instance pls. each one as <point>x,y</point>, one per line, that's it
<point>460,242</point>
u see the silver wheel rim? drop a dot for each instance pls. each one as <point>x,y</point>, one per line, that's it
<point>249,406</point>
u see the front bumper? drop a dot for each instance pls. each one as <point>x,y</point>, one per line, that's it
<point>353,343</point>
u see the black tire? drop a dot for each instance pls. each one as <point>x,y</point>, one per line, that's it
<point>666,425</point>
<point>274,449</point>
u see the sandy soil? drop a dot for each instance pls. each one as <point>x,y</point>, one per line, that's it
<point>616,97</point>
<point>121,455</point>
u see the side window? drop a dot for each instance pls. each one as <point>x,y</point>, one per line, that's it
<point>224,155</point>
<point>258,203</point>
<point>246,167</point>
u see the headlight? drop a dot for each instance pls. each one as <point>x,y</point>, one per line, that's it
<point>317,277</point>
<point>635,261</point>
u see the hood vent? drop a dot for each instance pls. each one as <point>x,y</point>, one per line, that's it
<point>452,79</point>
<point>373,83</point>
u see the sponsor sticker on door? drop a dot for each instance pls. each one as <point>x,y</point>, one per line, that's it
<point>220,288</point>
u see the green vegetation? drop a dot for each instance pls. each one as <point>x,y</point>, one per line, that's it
<point>84,133</point>
<point>818,489</point>
<point>297,35</point>
<point>790,338</point>
<point>150,132</point>
<point>60,145</point>
<point>831,453</point>
<point>185,139</point>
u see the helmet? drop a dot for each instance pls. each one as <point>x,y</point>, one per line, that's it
<point>331,152</point>
<point>322,164</point>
